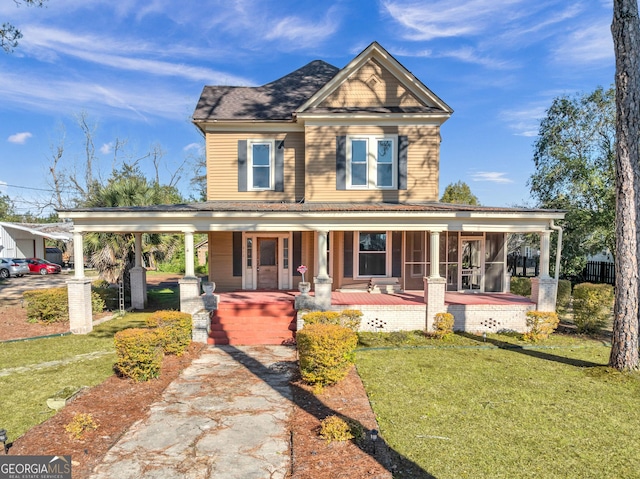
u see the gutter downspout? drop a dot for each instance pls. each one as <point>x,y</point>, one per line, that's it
<point>558,248</point>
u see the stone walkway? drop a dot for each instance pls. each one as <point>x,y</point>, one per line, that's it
<point>226,416</point>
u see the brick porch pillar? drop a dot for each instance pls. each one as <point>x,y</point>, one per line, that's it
<point>79,292</point>
<point>322,283</point>
<point>138,277</point>
<point>434,285</point>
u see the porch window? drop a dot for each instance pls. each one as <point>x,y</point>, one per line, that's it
<point>372,162</point>
<point>372,253</point>
<point>249,253</point>
<point>494,262</point>
<point>285,253</point>
<point>449,259</point>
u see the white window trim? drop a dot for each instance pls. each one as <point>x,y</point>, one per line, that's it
<point>372,174</point>
<point>272,182</point>
<point>356,256</point>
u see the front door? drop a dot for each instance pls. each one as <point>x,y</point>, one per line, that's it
<point>471,264</point>
<point>267,263</point>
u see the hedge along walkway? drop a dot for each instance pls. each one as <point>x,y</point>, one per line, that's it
<point>52,364</point>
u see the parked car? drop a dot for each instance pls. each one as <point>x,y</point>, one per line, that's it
<point>42,266</point>
<point>11,267</point>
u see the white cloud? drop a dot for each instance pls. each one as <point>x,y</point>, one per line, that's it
<point>443,18</point>
<point>132,55</point>
<point>55,95</point>
<point>301,33</point>
<point>526,121</point>
<point>588,44</point>
<point>106,148</point>
<point>20,138</point>
<point>491,176</point>
<point>193,146</point>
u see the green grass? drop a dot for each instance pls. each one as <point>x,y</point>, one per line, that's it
<point>23,395</point>
<point>550,410</point>
<point>163,298</point>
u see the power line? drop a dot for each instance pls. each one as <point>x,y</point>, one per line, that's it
<point>25,187</point>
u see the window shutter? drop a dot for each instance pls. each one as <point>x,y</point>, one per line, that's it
<point>297,252</point>
<point>242,165</point>
<point>348,254</point>
<point>341,162</point>
<point>237,252</point>
<point>396,254</point>
<point>403,146</point>
<point>279,166</point>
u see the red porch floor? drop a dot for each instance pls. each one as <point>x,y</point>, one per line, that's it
<point>407,297</point>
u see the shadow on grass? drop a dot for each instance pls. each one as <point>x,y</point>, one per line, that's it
<point>534,353</point>
<point>383,454</point>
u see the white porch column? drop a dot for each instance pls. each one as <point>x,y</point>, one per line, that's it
<point>190,301</point>
<point>79,292</point>
<point>544,288</point>
<point>322,282</point>
<point>78,255</point>
<point>434,254</point>
<point>138,276</point>
<point>189,255</point>
<point>434,284</point>
<point>545,241</point>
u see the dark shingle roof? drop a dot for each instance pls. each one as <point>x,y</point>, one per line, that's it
<point>274,101</point>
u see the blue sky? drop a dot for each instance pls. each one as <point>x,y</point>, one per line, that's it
<point>136,70</point>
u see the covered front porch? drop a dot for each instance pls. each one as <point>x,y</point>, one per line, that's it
<point>390,246</point>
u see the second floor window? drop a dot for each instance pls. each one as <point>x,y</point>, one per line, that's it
<point>371,162</point>
<point>261,165</point>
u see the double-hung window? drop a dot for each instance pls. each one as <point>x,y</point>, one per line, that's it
<point>372,162</point>
<point>261,156</point>
<point>372,253</point>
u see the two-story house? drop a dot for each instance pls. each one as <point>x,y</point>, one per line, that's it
<point>338,170</point>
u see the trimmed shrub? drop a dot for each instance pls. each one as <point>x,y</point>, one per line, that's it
<point>541,324</point>
<point>334,428</point>
<point>349,318</point>
<point>592,306</point>
<point>80,424</point>
<point>108,294</point>
<point>326,353</point>
<point>521,286</point>
<point>564,295</point>
<point>47,305</point>
<point>443,325</point>
<point>173,329</point>
<point>138,354</point>
<point>97,303</point>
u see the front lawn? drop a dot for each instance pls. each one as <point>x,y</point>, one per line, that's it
<point>51,365</point>
<point>551,410</point>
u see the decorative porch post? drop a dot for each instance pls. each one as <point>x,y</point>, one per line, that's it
<point>544,287</point>
<point>138,276</point>
<point>79,291</point>
<point>434,284</point>
<point>322,282</point>
<point>190,301</point>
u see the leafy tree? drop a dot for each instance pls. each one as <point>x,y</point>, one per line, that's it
<point>459,193</point>
<point>626,39</point>
<point>574,157</point>
<point>114,254</point>
<point>9,34</point>
<point>7,209</point>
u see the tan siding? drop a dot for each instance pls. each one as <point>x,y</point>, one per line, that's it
<point>221,262</point>
<point>371,85</point>
<point>222,167</point>
<point>422,165</point>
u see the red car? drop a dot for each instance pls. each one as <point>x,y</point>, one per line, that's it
<point>42,266</point>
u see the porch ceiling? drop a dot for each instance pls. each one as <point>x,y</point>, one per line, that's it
<point>263,216</point>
